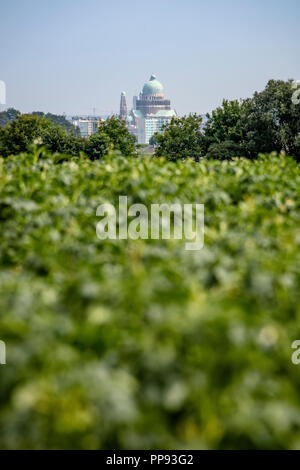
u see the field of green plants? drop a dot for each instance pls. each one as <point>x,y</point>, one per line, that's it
<point>141,344</point>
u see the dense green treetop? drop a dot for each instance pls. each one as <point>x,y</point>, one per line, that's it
<point>269,121</point>
<point>121,139</point>
<point>59,120</point>
<point>181,138</point>
<point>8,116</point>
<point>97,146</point>
<point>24,130</point>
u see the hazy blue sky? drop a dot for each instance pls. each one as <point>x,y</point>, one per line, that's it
<point>73,55</point>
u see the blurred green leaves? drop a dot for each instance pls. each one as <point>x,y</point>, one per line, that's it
<point>141,344</point>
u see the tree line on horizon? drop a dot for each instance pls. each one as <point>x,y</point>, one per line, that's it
<point>24,130</point>
<point>269,121</point>
<point>11,114</point>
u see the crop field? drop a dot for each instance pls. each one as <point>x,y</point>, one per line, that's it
<point>139,344</point>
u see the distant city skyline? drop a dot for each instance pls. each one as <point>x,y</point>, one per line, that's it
<point>69,56</point>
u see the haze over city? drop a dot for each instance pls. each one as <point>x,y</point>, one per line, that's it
<point>77,61</point>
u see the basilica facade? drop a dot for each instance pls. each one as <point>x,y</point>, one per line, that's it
<point>151,110</point>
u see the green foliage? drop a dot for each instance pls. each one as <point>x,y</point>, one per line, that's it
<point>152,140</point>
<point>141,344</point>
<point>224,123</point>
<point>271,121</point>
<point>182,138</point>
<point>97,146</point>
<point>59,120</point>
<point>226,150</point>
<point>8,116</point>
<point>20,133</point>
<point>24,130</point>
<point>120,138</point>
<point>223,131</point>
<point>58,140</point>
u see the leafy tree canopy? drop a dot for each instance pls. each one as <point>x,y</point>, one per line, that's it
<point>269,121</point>
<point>223,131</point>
<point>97,146</point>
<point>24,130</point>
<point>20,133</point>
<point>152,140</point>
<point>224,150</point>
<point>58,120</point>
<point>7,116</point>
<point>182,138</point>
<point>119,136</point>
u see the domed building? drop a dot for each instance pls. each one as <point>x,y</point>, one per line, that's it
<point>153,87</point>
<point>151,111</point>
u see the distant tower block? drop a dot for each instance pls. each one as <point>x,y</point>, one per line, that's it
<point>123,106</point>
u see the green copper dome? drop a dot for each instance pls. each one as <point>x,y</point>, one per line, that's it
<point>153,87</point>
